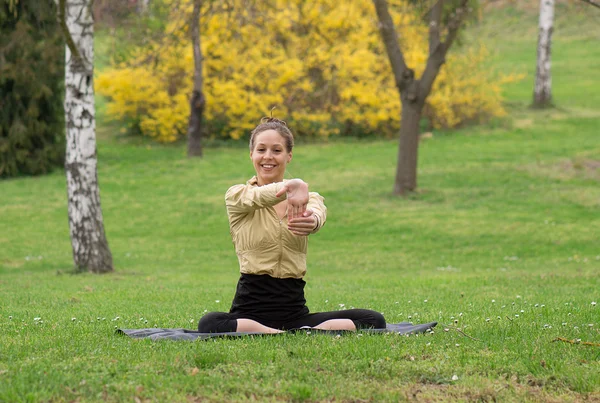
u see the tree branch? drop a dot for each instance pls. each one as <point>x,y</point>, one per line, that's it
<point>437,54</point>
<point>434,26</point>
<point>390,38</point>
<point>592,2</point>
<point>62,19</point>
<point>195,28</point>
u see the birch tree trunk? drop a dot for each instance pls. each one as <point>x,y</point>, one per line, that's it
<point>142,6</point>
<point>542,93</point>
<point>197,101</point>
<point>90,248</point>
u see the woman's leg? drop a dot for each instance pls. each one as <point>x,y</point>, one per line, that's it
<point>350,319</point>
<point>249,325</point>
<point>222,322</point>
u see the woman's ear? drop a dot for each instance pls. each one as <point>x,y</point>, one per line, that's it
<point>289,157</point>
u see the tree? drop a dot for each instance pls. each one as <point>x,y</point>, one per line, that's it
<point>413,91</point>
<point>90,248</point>
<point>542,92</point>
<point>31,88</point>
<point>197,101</point>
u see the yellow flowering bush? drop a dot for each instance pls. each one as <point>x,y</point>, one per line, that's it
<point>320,62</point>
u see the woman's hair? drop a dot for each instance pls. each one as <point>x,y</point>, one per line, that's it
<point>271,123</point>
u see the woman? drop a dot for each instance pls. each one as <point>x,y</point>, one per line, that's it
<point>270,220</point>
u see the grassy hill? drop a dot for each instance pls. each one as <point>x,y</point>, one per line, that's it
<point>500,246</point>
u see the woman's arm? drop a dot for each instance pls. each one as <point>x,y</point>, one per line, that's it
<point>247,198</point>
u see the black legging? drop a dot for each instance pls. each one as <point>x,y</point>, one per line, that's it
<point>221,322</point>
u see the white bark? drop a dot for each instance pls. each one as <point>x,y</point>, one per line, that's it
<point>542,95</point>
<point>90,248</point>
<point>142,6</point>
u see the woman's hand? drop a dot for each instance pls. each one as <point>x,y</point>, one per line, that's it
<point>297,197</point>
<point>303,225</point>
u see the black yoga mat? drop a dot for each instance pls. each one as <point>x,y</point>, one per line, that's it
<point>191,335</point>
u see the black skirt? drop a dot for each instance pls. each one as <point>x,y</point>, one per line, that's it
<point>269,299</point>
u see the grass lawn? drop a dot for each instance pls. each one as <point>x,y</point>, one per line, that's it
<point>500,246</point>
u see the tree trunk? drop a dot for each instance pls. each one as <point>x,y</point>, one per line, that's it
<point>413,92</point>
<point>406,170</point>
<point>90,248</point>
<point>542,94</point>
<point>142,6</point>
<point>197,101</point>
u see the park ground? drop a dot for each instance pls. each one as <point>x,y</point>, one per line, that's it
<point>500,246</point>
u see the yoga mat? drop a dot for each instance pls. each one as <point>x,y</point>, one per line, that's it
<point>192,335</point>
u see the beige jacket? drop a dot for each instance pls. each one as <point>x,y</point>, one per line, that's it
<point>262,241</point>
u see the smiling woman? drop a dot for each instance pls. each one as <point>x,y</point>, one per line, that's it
<point>270,220</point>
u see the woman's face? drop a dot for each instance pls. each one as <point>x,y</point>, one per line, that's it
<point>269,157</point>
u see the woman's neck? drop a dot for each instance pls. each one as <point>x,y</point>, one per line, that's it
<point>262,182</point>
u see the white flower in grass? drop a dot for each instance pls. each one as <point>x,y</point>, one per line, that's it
<point>425,301</point>
<point>516,316</point>
<point>593,303</point>
<point>73,319</point>
<point>342,305</point>
<point>591,325</point>
<point>217,300</point>
<point>455,377</point>
<point>36,319</point>
<point>487,319</point>
<point>457,345</point>
<point>542,305</point>
<point>493,301</point>
<point>564,323</point>
<point>522,311</point>
<point>10,317</point>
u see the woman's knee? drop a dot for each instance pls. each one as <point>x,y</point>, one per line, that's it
<point>217,322</point>
<point>370,319</point>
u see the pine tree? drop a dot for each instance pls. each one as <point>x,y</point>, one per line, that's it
<point>31,88</point>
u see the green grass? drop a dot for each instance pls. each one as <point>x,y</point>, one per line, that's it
<point>506,223</point>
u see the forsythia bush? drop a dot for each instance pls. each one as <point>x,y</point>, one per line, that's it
<point>322,63</point>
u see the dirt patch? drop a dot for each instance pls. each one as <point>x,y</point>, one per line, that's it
<point>493,392</point>
<point>580,168</point>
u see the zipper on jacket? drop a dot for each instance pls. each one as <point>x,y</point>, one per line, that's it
<point>274,212</point>
<point>280,243</point>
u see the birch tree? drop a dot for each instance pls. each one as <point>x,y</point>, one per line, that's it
<point>197,101</point>
<point>90,248</point>
<point>542,93</point>
<point>412,90</point>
